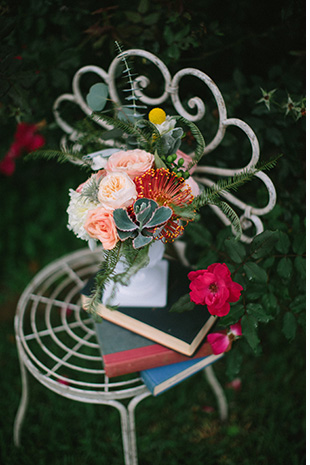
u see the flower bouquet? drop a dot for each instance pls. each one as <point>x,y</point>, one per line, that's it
<point>141,194</point>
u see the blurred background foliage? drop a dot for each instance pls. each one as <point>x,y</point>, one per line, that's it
<point>249,49</point>
<point>256,55</point>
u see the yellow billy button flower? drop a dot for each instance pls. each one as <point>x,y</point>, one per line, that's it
<point>157,116</point>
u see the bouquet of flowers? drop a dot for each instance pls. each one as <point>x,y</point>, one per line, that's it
<point>142,191</point>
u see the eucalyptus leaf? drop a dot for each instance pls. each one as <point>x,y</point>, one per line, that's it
<point>97,97</point>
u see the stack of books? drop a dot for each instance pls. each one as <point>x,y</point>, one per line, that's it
<point>165,347</point>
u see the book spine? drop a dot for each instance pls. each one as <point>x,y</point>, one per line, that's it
<point>130,361</point>
<point>150,377</point>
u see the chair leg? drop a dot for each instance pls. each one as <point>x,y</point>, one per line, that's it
<point>132,427</point>
<point>22,405</point>
<point>218,391</point>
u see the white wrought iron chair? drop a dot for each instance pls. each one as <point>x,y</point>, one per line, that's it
<point>52,333</point>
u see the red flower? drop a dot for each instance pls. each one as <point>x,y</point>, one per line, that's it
<point>7,166</point>
<point>221,341</point>
<point>215,288</point>
<point>25,139</point>
<point>167,190</point>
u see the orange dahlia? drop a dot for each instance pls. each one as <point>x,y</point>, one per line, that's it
<point>166,189</point>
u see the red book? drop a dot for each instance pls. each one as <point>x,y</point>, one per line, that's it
<point>126,352</point>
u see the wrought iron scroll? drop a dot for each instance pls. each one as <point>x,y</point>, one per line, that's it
<point>250,215</point>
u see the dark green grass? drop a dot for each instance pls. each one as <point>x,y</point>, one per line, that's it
<point>265,425</point>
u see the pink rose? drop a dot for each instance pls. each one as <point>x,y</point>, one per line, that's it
<point>117,190</point>
<point>214,287</point>
<point>132,162</point>
<point>100,225</point>
<point>221,341</point>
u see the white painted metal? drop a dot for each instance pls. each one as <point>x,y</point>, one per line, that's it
<point>249,214</point>
<point>57,344</point>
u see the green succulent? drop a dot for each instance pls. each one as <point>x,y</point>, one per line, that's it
<point>148,217</point>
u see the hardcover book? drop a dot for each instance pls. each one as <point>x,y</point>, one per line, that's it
<point>126,352</point>
<point>161,379</point>
<point>182,332</point>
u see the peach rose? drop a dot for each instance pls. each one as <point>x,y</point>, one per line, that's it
<point>116,190</point>
<point>100,225</point>
<point>132,162</point>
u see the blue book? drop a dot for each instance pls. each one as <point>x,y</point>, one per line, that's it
<point>161,379</point>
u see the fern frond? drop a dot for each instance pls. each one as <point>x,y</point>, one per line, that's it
<point>104,276</point>
<point>59,155</point>
<point>143,134</point>
<point>212,193</point>
<point>232,217</point>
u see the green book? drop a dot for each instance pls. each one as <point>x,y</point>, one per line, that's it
<point>182,332</point>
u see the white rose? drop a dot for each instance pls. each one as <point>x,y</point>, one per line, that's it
<point>77,210</point>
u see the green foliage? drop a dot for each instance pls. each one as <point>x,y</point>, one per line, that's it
<point>97,96</point>
<point>273,278</point>
<point>244,48</point>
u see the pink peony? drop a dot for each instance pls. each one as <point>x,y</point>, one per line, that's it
<point>132,162</point>
<point>100,225</point>
<point>117,190</point>
<point>215,288</point>
<point>221,341</point>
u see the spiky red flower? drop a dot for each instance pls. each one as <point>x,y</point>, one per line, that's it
<point>167,190</point>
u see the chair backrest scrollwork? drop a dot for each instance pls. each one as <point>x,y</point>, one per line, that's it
<point>250,215</point>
